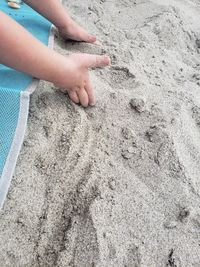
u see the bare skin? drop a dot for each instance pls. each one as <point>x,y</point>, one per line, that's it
<point>75,32</point>
<point>54,12</point>
<point>69,73</point>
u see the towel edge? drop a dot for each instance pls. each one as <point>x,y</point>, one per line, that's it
<point>11,160</point>
<point>17,142</point>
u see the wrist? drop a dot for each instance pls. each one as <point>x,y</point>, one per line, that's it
<point>62,72</point>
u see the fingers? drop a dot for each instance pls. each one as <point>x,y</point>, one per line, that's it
<point>73,96</point>
<point>98,43</point>
<point>90,93</point>
<point>83,94</point>
<point>91,38</point>
<point>96,61</point>
<point>83,97</point>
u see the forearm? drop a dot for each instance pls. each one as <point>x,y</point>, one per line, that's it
<point>52,10</point>
<point>21,51</point>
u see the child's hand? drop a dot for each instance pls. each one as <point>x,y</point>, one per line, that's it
<point>69,73</point>
<point>75,32</point>
<point>74,77</point>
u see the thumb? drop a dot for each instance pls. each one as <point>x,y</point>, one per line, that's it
<point>96,61</point>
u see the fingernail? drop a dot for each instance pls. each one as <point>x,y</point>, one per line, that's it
<point>98,43</point>
<point>92,103</point>
<point>107,60</point>
<point>92,38</point>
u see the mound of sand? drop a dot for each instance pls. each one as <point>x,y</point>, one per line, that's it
<point>116,185</point>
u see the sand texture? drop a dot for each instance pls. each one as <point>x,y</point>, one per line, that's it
<point>116,185</point>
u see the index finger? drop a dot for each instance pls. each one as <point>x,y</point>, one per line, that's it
<point>96,61</point>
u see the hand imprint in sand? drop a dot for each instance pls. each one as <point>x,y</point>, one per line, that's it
<point>74,77</point>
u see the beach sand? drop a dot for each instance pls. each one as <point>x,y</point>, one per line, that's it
<point>118,184</point>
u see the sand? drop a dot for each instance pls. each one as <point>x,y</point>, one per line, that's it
<point>118,184</point>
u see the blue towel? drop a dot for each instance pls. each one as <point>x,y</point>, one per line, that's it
<point>15,89</point>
